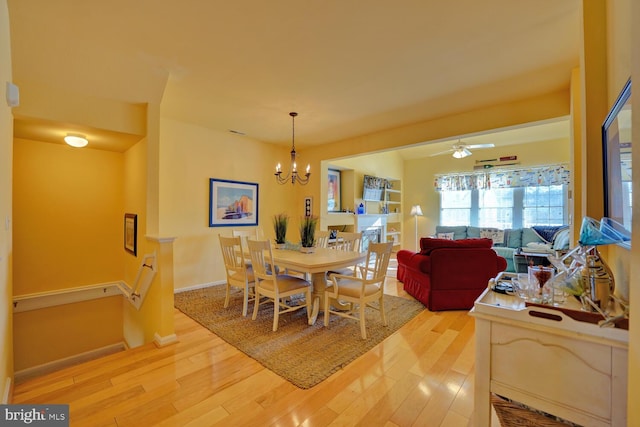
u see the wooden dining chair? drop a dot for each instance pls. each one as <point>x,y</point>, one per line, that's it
<point>347,241</point>
<point>254,233</point>
<point>239,274</point>
<point>278,288</point>
<point>322,238</point>
<point>360,291</point>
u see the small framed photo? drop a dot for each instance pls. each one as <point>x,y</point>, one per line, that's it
<point>232,203</point>
<point>333,195</point>
<point>308,206</point>
<point>131,233</point>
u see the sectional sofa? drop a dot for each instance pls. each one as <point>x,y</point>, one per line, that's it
<point>507,242</point>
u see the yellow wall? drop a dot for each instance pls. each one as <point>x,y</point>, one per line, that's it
<point>189,156</point>
<point>68,212</point>
<point>633,14</point>
<point>6,157</point>
<point>622,62</point>
<point>55,333</point>
<point>69,208</point>
<point>419,175</point>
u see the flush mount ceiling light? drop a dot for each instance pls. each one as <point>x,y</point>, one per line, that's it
<point>461,153</point>
<point>77,141</point>
<point>293,175</point>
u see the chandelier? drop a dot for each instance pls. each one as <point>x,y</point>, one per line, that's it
<point>293,175</point>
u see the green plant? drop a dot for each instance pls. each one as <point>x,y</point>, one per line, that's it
<point>308,231</point>
<point>280,223</point>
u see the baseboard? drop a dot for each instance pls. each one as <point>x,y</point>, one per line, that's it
<point>164,341</point>
<point>200,286</point>
<point>6,394</point>
<point>56,365</point>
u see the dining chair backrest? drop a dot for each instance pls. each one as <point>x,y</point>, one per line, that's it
<point>254,233</point>
<point>347,241</point>
<point>322,238</point>
<point>232,250</point>
<point>259,250</point>
<point>239,275</point>
<point>377,262</point>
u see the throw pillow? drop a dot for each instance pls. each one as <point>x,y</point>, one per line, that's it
<point>494,234</point>
<point>528,236</point>
<point>561,239</point>
<point>445,236</point>
<point>473,232</point>
<point>459,231</point>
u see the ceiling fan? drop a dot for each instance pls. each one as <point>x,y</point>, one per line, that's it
<point>461,151</point>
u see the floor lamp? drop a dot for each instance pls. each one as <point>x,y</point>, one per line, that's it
<point>416,211</point>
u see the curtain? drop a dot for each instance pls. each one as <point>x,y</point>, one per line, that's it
<point>523,177</point>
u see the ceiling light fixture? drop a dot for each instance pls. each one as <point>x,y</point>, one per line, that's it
<point>77,141</point>
<point>461,153</point>
<point>293,175</point>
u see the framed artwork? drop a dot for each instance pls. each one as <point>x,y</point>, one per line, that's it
<point>308,206</point>
<point>232,203</point>
<point>333,196</point>
<point>616,156</point>
<point>131,233</point>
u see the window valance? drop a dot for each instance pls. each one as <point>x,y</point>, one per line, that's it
<point>504,178</point>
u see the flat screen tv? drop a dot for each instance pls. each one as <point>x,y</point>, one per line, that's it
<point>373,188</point>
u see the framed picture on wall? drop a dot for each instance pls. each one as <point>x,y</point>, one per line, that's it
<point>232,203</point>
<point>616,156</point>
<point>333,195</point>
<point>308,206</point>
<point>131,233</point>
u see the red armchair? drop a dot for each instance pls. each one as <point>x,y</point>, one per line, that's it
<point>449,274</point>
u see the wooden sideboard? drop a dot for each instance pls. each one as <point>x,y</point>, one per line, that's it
<point>544,359</point>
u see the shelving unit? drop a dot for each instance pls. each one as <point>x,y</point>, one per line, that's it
<point>393,207</point>
<point>387,207</point>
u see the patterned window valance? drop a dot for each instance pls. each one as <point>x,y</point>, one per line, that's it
<point>504,178</point>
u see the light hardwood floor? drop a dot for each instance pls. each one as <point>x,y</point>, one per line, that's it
<point>420,376</point>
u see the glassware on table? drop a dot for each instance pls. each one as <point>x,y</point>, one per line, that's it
<point>539,275</point>
<point>522,287</point>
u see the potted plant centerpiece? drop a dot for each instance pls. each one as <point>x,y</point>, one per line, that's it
<point>308,233</point>
<point>280,223</point>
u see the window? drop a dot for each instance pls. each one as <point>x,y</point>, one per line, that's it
<point>544,206</point>
<point>495,208</point>
<point>505,207</point>
<point>455,206</point>
<point>506,198</point>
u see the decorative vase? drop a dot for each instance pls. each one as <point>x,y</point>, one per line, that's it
<point>540,276</point>
<point>598,280</point>
<point>307,249</point>
<point>280,245</point>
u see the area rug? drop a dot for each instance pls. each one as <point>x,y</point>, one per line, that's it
<point>303,355</point>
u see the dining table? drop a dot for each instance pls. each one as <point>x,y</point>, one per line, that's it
<point>317,264</point>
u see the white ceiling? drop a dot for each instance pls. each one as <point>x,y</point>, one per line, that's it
<point>349,68</point>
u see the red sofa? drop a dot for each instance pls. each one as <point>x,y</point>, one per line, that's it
<point>449,274</point>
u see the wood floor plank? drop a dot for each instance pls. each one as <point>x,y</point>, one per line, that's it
<point>423,373</point>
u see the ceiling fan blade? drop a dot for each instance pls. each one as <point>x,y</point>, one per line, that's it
<point>439,153</point>
<point>474,146</point>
